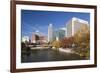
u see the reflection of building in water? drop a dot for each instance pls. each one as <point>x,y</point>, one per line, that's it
<point>74,25</point>
<point>25,39</point>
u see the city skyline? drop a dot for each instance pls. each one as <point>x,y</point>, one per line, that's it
<point>38,21</point>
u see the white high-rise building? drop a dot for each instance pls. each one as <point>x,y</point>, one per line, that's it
<point>50,33</point>
<point>74,25</point>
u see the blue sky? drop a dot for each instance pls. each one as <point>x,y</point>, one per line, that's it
<point>33,21</point>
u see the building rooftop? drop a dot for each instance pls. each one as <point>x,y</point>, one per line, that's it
<point>79,20</point>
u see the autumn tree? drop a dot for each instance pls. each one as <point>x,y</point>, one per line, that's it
<point>66,42</point>
<point>56,44</point>
<point>82,41</point>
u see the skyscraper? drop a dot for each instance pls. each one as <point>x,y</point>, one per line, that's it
<point>50,33</point>
<point>74,25</point>
<point>59,34</point>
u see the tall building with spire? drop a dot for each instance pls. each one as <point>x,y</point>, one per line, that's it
<point>50,32</point>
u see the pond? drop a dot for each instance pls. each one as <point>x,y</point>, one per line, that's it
<point>45,55</point>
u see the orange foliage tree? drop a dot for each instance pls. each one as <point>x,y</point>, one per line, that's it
<point>66,42</point>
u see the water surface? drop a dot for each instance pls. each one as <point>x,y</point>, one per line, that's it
<point>44,55</point>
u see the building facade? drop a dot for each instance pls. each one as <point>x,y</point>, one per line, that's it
<point>59,34</point>
<point>50,32</point>
<point>34,38</point>
<point>74,25</point>
<point>38,39</point>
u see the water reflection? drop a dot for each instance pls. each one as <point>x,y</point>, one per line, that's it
<point>44,55</point>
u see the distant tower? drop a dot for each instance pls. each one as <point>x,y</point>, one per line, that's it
<point>66,31</point>
<point>57,39</point>
<point>50,33</point>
